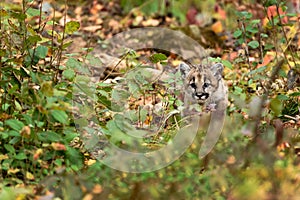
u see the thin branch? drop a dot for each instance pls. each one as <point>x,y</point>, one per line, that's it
<point>285,36</point>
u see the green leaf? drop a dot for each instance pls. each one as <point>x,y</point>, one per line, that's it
<point>20,156</point>
<point>237,90</point>
<point>33,12</point>
<point>18,15</point>
<point>268,46</point>
<point>103,93</point>
<point>263,35</point>
<point>253,44</point>
<point>73,63</point>
<point>120,95</point>
<point>255,21</point>
<point>14,133</point>
<point>15,124</point>
<point>2,52</point>
<point>69,74</point>
<point>9,148</point>
<point>75,157</point>
<point>32,39</point>
<point>244,14</point>
<point>71,27</point>
<point>282,97</point>
<point>18,106</point>
<point>226,63</point>
<point>133,87</point>
<point>158,57</point>
<point>295,94</point>
<point>258,70</point>
<point>252,29</point>
<point>270,3</point>
<point>47,88</point>
<point>93,60</point>
<point>117,134</point>
<point>237,33</point>
<point>4,135</point>
<point>49,136</point>
<point>70,135</point>
<point>3,13</point>
<point>276,106</point>
<point>60,116</point>
<point>41,52</point>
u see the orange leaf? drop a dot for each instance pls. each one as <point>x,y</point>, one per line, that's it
<point>58,146</point>
<point>267,59</point>
<point>217,27</point>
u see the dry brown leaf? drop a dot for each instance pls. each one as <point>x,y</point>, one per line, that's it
<point>37,154</point>
<point>151,22</point>
<point>25,132</point>
<point>88,197</point>
<point>92,28</point>
<point>231,160</point>
<point>114,24</point>
<point>97,189</point>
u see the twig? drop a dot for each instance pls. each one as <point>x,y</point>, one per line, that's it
<point>261,53</point>
<point>123,57</point>
<point>285,36</point>
<point>245,40</point>
<point>276,69</point>
<point>52,39</point>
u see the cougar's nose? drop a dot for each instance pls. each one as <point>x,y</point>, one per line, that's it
<point>202,96</point>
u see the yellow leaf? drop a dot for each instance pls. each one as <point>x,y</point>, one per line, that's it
<point>290,35</point>
<point>21,197</point>
<point>90,162</point>
<point>29,176</point>
<point>13,171</point>
<point>3,157</point>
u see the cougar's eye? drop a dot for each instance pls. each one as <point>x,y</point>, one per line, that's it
<point>193,85</point>
<point>205,85</point>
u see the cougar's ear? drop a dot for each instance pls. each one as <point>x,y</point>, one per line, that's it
<point>217,70</point>
<point>184,69</point>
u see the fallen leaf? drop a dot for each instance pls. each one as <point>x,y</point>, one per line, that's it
<point>217,27</point>
<point>221,12</point>
<point>114,25</point>
<point>92,28</point>
<point>151,22</point>
<point>97,189</point>
<point>13,171</point>
<point>88,197</point>
<point>267,59</point>
<point>3,157</point>
<point>231,160</point>
<point>37,154</point>
<point>58,146</point>
<point>90,162</point>
<point>29,176</point>
<point>25,132</point>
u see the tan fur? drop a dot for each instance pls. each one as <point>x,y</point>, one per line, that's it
<point>203,85</point>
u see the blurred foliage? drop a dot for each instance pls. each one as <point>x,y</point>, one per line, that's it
<point>41,152</point>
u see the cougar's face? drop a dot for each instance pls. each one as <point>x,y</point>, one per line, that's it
<point>201,83</point>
